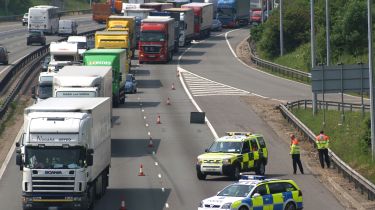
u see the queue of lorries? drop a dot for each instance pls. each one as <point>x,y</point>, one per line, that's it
<point>64,152</point>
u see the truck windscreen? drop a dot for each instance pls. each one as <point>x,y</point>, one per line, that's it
<point>225,12</point>
<point>45,91</point>
<point>54,158</point>
<point>152,36</point>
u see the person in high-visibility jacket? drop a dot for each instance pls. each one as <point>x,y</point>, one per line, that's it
<point>296,154</point>
<point>322,143</point>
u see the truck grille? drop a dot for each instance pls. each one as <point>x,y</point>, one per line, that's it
<point>151,49</point>
<point>53,184</point>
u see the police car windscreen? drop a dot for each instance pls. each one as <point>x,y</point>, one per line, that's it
<point>220,146</point>
<point>236,190</point>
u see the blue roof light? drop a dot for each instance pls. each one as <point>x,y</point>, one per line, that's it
<point>252,177</point>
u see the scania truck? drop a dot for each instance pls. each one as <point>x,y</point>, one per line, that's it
<point>203,13</point>
<point>114,58</point>
<point>65,153</point>
<point>157,39</point>
<point>233,13</point>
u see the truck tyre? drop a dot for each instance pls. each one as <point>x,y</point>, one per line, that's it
<point>236,172</point>
<point>260,168</point>
<point>200,175</point>
<point>99,187</point>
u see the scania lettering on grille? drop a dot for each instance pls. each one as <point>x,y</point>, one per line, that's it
<point>53,172</point>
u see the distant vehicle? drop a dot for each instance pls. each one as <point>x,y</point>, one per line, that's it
<point>44,88</point>
<point>45,18</point>
<point>233,13</point>
<point>67,27</point>
<point>36,37</point>
<point>44,63</point>
<point>130,84</point>
<point>81,42</point>
<point>256,17</point>
<point>25,19</point>
<point>4,55</point>
<point>216,25</point>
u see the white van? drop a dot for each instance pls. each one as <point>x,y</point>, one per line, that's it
<point>67,27</point>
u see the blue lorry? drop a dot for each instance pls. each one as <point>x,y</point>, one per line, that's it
<point>233,13</point>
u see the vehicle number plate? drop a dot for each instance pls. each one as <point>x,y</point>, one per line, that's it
<point>152,56</point>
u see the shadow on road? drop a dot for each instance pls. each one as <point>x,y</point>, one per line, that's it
<point>133,147</point>
<point>141,72</point>
<point>145,104</point>
<point>189,61</point>
<point>149,84</point>
<point>194,53</point>
<point>135,199</point>
<point>204,45</point>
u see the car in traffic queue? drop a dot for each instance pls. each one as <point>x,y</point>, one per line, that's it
<point>36,36</point>
<point>44,63</point>
<point>256,17</point>
<point>4,58</point>
<point>232,154</point>
<point>216,25</point>
<point>25,19</point>
<point>130,84</point>
<point>256,192</point>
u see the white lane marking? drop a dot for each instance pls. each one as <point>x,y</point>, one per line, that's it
<point>9,155</point>
<point>200,86</point>
<point>230,47</point>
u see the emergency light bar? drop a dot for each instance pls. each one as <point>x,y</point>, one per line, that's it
<point>252,177</point>
<point>238,133</point>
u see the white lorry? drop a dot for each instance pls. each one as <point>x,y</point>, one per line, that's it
<point>81,43</point>
<point>83,81</point>
<point>62,53</point>
<point>44,87</point>
<point>67,27</point>
<point>65,153</point>
<point>186,24</point>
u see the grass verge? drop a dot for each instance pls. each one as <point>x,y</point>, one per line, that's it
<point>349,140</point>
<point>15,108</point>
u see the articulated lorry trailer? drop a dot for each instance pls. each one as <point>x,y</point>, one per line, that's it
<point>233,13</point>
<point>65,153</point>
<point>203,13</point>
<point>101,11</point>
<point>114,58</point>
<point>83,82</point>
<point>139,15</point>
<point>185,23</point>
<point>157,39</point>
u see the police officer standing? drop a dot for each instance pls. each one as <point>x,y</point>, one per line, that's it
<point>322,142</point>
<point>296,154</point>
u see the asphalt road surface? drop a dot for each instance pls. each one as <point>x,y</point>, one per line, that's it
<point>170,181</point>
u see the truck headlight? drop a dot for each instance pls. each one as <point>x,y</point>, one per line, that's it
<point>226,206</point>
<point>226,161</point>
<point>199,161</point>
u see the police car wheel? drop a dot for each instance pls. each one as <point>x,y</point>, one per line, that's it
<point>290,206</point>
<point>236,173</point>
<point>243,208</point>
<point>261,169</point>
<point>201,176</point>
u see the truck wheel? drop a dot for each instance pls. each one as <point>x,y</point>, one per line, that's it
<point>260,169</point>
<point>290,206</point>
<point>200,175</point>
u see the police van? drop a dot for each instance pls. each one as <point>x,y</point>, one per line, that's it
<point>232,154</point>
<point>256,192</point>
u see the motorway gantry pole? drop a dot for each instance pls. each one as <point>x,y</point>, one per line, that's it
<point>281,29</point>
<point>328,47</point>
<point>371,75</point>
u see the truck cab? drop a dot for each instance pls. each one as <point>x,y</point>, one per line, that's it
<point>63,53</point>
<point>44,88</point>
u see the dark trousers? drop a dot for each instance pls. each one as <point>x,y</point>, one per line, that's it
<point>323,156</point>
<point>297,160</point>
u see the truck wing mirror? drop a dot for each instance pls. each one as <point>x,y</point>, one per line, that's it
<point>19,159</point>
<point>33,93</point>
<point>90,160</point>
<point>205,150</point>
<point>120,76</point>
<point>90,151</point>
<point>17,144</point>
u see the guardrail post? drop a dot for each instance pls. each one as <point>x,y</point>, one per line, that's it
<point>305,102</point>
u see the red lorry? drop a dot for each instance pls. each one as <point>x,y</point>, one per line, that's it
<point>157,39</point>
<point>203,13</point>
<point>101,11</point>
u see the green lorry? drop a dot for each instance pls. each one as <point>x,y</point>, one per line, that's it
<point>115,58</point>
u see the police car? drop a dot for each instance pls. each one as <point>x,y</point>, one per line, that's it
<point>232,154</point>
<point>256,192</point>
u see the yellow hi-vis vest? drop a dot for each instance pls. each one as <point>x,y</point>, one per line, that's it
<point>294,149</point>
<point>322,141</point>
